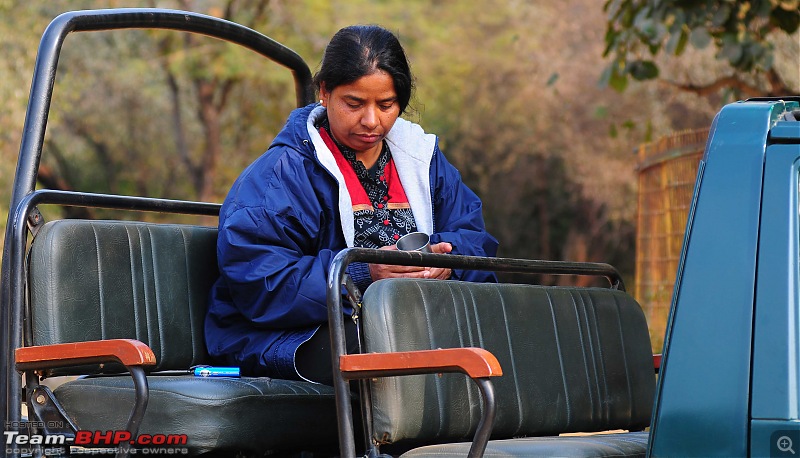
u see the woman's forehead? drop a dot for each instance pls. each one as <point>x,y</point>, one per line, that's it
<point>378,85</point>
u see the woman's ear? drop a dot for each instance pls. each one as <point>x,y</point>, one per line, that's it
<point>324,95</point>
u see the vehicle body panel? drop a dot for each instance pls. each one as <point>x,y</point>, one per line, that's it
<point>703,396</point>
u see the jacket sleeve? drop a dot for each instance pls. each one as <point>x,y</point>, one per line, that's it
<point>268,248</point>
<point>458,217</point>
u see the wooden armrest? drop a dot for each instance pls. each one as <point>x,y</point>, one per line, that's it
<point>475,362</point>
<point>126,351</point>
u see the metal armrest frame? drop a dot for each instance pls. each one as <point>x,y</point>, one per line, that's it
<point>476,363</point>
<point>132,354</point>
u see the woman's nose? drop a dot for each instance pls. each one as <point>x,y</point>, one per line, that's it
<point>369,118</point>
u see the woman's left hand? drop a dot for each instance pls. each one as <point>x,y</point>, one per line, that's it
<point>438,273</point>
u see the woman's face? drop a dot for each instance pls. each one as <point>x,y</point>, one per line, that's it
<point>362,113</point>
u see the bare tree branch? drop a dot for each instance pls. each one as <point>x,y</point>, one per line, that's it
<point>727,82</point>
<point>177,117</point>
<point>778,86</point>
<point>100,148</point>
<point>50,179</point>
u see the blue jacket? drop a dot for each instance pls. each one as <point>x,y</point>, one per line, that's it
<point>286,217</point>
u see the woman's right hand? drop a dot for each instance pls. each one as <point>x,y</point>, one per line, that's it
<point>379,271</point>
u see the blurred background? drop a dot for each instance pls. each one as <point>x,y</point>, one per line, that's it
<point>578,122</point>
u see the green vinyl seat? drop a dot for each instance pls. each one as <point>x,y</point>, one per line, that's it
<point>574,360</point>
<point>96,280</point>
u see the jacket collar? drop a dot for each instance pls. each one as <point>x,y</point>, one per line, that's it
<point>412,151</point>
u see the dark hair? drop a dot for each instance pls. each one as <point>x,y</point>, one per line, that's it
<point>360,50</point>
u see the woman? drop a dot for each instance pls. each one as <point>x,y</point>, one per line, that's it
<point>344,172</point>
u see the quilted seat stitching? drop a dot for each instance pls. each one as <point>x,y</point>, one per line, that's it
<point>602,377</point>
<point>157,293</point>
<point>512,358</point>
<point>100,288</point>
<point>567,403</point>
<point>135,303</point>
<point>624,359</point>
<point>438,383</point>
<point>189,308</point>
<point>587,354</point>
<point>472,304</point>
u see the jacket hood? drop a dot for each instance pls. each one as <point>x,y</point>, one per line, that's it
<point>295,134</point>
<point>412,151</point>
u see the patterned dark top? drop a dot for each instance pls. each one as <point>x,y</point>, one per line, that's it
<point>383,220</point>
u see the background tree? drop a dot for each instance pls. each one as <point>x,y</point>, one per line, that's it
<point>510,87</point>
<point>153,112</point>
<point>755,39</point>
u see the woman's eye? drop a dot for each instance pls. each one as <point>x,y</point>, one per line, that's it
<point>387,107</point>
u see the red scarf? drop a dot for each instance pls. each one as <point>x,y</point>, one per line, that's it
<point>397,196</point>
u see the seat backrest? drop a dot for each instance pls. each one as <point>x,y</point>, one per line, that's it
<point>573,359</point>
<point>93,280</point>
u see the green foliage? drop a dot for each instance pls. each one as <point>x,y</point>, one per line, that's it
<point>741,32</point>
<point>509,87</point>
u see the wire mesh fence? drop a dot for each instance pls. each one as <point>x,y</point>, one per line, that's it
<point>667,169</point>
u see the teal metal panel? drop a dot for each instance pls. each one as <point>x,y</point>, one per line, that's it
<point>702,400</point>
<point>776,348</point>
<point>775,438</point>
<point>786,132</point>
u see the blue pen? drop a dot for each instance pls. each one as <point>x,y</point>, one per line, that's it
<point>211,371</point>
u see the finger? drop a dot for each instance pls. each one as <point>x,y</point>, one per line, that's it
<point>410,268</point>
<point>440,274</point>
<point>419,274</point>
<point>441,248</point>
<point>402,269</point>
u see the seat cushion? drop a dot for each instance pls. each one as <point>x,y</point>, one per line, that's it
<point>257,414</point>
<point>601,445</point>
<point>94,280</point>
<point>573,359</point>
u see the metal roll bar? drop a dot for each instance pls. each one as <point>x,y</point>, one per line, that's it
<point>12,274</point>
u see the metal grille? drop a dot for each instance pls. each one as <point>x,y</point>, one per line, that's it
<point>667,171</point>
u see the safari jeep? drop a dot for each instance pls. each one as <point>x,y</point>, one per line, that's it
<point>447,368</point>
